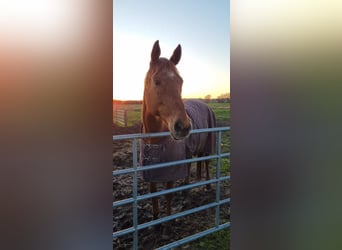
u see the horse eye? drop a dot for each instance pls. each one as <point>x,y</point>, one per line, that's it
<point>157,82</point>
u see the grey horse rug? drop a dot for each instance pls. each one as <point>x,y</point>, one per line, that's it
<point>171,150</point>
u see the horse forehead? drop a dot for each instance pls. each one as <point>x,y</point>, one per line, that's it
<point>164,70</point>
<point>170,74</point>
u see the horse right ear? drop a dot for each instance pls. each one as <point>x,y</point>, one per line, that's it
<point>155,54</point>
<point>176,56</point>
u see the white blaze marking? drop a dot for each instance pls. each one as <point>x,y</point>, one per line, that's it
<point>170,74</point>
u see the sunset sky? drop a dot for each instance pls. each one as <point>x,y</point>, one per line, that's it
<point>201,27</point>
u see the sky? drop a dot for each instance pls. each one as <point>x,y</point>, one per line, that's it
<point>201,27</point>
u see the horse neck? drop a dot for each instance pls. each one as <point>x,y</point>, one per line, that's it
<point>152,124</point>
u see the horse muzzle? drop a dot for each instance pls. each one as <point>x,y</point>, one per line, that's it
<point>180,130</point>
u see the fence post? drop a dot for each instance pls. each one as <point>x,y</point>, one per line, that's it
<point>135,194</point>
<point>120,116</point>
<point>218,175</point>
<point>125,117</point>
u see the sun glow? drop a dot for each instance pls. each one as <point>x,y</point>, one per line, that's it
<point>131,61</point>
<point>36,21</point>
<point>201,28</point>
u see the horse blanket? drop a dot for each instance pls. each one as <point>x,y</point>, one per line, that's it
<point>169,149</point>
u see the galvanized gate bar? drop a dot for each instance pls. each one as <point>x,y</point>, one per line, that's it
<point>172,163</point>
<point>181,241</point>
<point>167,191</point>
<point>183,213</point>
<point>161,134</point>
<point>194,236</point>
<point>171,217</point>
<point>135,197</point>
<point>218,174</point>
<point>135,194</point>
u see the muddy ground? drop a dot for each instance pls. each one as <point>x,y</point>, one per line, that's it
<point>159,235</point>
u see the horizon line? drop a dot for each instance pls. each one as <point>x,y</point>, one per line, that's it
<point>185,98</point>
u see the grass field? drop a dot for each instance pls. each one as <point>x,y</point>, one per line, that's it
<point>221,239</point>
<point>221,110</point>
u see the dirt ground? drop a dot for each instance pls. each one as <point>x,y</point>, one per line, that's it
<point>155,236</point>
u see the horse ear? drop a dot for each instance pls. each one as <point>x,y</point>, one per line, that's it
<point>155,54</point>
<point>176,56</point>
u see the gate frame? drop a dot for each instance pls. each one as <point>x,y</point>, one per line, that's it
<point>135,198</point>
<point>120,116</point>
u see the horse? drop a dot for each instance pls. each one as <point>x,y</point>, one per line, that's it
<point>164,110</point>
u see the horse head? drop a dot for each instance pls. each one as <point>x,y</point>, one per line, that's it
<point>162,102</point>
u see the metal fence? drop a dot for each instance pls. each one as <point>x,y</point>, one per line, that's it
<point>135,197</point>
<point>120,117</point>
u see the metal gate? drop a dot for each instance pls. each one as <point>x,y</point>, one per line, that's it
<point>120,117</point>
<point>135,197</point>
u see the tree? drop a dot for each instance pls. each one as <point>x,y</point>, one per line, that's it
<point>207,98</point>
<point>223,97</point>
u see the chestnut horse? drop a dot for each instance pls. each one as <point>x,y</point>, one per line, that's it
<point>164,110</point>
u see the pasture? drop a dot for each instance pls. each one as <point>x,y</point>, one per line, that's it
<point>221,110</point>
<point>122,155</point>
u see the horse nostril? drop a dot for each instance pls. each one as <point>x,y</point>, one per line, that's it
<point>178,126</point>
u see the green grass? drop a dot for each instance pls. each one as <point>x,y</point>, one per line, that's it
<point>218,240</point>
<point>133,113</point>
<point>221,110</point>
<point>133,117</point>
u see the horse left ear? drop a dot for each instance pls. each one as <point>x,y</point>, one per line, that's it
<point>155,54</point>
<point>176,56</point>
